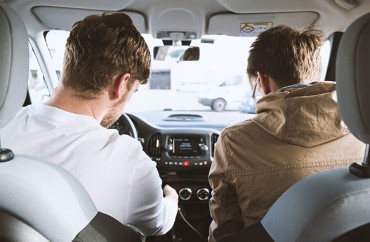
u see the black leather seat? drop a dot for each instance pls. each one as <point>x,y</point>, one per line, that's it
<point>332,205</point>
<point>40,201</point>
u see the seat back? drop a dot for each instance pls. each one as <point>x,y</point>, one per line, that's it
<point>39,200</point>
<point>332,205</point>
<point>322,207</point>
<point>353,83</point>
<point>353,78</point>
<point>14,63</point>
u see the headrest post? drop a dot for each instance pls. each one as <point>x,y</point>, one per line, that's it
<point>363,169</point>
<point>6,155</point>
<point>367,156</point>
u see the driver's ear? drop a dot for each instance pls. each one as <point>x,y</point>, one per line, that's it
<point>119,86</point>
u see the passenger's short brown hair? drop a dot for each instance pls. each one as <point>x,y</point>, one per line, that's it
<point>102,48</point>
<point>287,55</point>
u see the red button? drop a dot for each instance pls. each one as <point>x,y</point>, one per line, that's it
<point>185,163</point>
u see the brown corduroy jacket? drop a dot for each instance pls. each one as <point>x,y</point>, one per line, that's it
<point>297,132</point>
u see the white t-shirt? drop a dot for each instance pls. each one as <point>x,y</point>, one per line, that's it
<point>121,179</point>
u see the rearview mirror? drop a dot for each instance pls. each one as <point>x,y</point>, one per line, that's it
<point>176,53</point>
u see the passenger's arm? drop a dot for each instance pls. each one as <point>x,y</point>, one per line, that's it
<point>224,207</point>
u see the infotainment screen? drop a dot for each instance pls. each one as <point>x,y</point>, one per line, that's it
<point>187,146</point>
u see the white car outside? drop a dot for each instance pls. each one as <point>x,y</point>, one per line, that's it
<point>226,96</point>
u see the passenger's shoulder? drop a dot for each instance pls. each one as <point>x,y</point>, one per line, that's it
<point>242,126</point>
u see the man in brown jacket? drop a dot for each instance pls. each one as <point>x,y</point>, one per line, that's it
<point>297,131</point>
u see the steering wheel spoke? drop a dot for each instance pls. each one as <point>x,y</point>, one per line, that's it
<point>124,125</point>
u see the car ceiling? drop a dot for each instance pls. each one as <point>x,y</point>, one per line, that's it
<point>203,16</point>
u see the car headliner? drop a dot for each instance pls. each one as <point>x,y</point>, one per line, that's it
<point>41,15</point>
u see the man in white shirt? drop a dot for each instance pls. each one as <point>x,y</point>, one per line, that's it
<point>105,61</point>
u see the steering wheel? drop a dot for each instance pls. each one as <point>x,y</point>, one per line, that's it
<point>124,125</point>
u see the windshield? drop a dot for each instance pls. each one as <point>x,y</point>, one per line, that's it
<point>217,82</point>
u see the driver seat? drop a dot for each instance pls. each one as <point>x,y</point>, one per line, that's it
<point>40,201</point>
<point>332,205</point>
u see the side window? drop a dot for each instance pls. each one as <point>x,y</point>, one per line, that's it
<point>56,41</point>
<point>37,87</point>
<point>325,54</point>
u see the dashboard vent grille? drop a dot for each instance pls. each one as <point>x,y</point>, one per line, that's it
<point>185,117</point>
<point>214,138</point>
<point>154,145</point>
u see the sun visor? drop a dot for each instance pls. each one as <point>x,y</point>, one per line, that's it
<point>250,25</point>
<point>64,18</point>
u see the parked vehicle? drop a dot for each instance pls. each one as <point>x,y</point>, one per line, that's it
<point>226,96</point>
<point>248,104</point>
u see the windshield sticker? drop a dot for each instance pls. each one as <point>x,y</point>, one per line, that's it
<point>253,29</point>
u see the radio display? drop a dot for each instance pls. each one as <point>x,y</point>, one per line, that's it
<point>187,146</point>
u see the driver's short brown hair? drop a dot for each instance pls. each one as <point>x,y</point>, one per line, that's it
<point>102,48</point>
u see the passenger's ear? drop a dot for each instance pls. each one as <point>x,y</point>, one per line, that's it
<point>119,87</point>
<point>265,83</point>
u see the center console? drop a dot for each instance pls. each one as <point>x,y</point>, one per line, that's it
<point>183,152</point>
<point>183,160</point>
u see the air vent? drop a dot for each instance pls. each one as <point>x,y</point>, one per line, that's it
<point>154,146</point>
<point>214,138</point>
<point>185,117</point>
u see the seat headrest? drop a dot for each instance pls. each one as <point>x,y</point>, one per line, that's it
<point>353,77</point>
<point>46,197</point>
<point>14,63</point>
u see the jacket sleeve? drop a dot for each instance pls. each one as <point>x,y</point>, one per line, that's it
<point>224,208</point>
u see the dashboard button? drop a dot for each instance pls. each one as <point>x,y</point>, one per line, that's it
<point>203,193</point>
<point>185,193</point>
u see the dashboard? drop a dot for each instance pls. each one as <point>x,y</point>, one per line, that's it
<point>183,155</point>
<point>183,151</point>
<point>182,145</point>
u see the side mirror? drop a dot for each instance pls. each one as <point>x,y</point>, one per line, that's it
<point>176,53</point>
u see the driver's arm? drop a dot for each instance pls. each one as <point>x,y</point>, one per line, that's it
<point>151,209</point>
